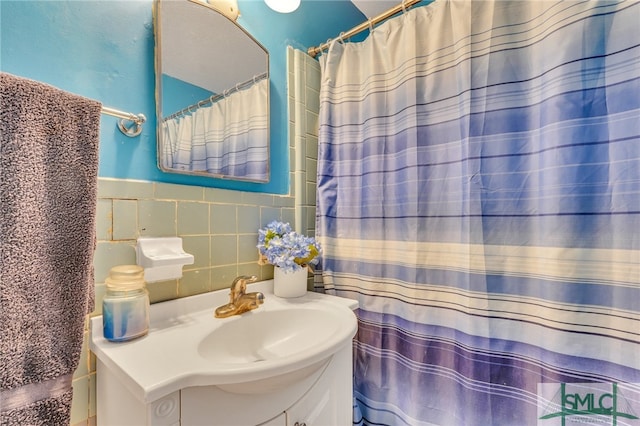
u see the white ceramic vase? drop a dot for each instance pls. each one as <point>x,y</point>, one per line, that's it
<point>289,284</point>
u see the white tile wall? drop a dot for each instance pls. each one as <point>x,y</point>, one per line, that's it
<point>304,104</point>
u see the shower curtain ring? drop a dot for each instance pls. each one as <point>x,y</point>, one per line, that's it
<point>404,7</point>
<point>328,43</point>
<point>370,21</point>
<point>341,37</point>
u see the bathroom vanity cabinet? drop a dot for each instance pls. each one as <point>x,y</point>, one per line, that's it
<point>321,399</point>
<point>265,373</point>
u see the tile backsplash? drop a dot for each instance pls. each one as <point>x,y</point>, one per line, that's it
<point>218,227</point>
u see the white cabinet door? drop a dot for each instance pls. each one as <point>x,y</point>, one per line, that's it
<point>314,409</point>
<point>329,401</point>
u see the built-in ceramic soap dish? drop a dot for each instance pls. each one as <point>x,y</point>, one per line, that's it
<point>162,258</point>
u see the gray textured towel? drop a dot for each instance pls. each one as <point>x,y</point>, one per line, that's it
<point>48,187</point>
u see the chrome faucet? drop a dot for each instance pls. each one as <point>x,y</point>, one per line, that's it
<point>239,300</point>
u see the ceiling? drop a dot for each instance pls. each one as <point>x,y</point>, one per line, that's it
<point>372,8</point>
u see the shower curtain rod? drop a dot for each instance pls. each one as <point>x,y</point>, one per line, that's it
<point>406,4</point>
<point>216,97</point>
<point>132,131</point>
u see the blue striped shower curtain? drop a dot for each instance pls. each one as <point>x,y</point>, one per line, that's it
<point>479,195</point>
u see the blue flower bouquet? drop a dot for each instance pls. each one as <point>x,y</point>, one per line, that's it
<point>280,246</point>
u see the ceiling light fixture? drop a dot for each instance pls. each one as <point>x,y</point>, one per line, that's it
<point>283,6</point>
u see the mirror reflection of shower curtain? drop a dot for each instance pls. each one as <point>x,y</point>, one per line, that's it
<point>479,195</point>
<point>227,138</point>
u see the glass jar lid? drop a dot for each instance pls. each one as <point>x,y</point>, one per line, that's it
<point>125,278</point>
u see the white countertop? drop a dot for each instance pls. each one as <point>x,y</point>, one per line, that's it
<point>167,358</point>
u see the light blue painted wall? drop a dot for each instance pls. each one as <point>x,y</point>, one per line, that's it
<point>104,50</point>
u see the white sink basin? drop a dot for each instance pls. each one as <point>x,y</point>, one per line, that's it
<point>283,341</point>
<point>263,335</point>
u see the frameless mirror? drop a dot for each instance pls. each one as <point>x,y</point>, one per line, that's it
<point>212,94</point>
